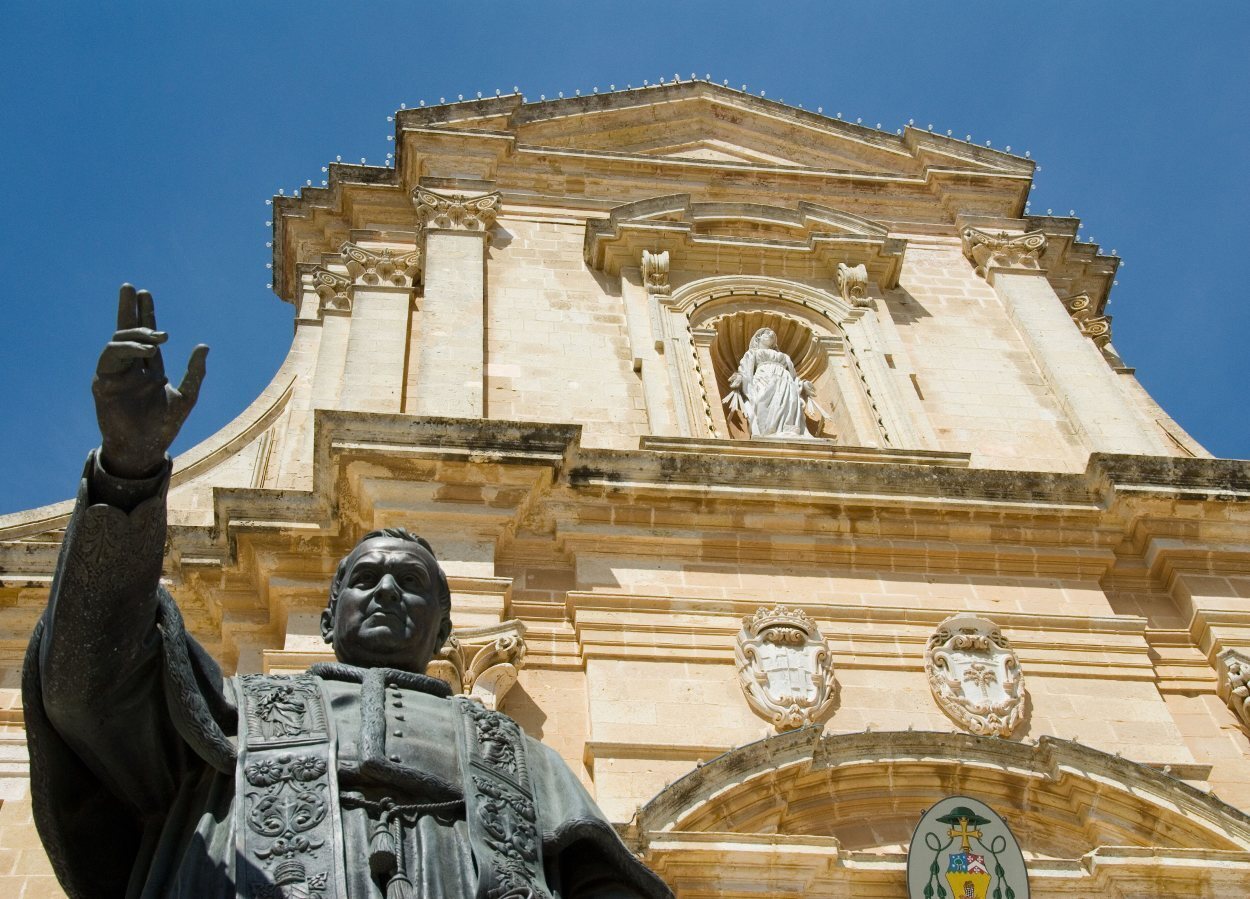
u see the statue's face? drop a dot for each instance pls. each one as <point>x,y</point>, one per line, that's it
<point>387,613</point>
<point>768,339</point>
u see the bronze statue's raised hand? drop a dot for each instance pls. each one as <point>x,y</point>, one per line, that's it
<point>139,413</point>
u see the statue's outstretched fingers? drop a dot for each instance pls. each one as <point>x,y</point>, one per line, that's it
<point>191,381</point>
<point>147,319</point>
<point>127,308</point>
<point>147,309</point>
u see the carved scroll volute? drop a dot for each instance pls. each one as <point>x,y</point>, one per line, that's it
<point>482,663</point>
<point>334,290</point>
<point>853,284</point>
<point>975,675</point>
<point>458,212</point>
<point>784,667</point>
<point>655,272</point>
<point>1003,251</point>
<point>1096,327</point>
<point>1233,669</point>
<point>383,267</point>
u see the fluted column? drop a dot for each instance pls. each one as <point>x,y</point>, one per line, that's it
<point>451,361</point>
<point>1072,365</point>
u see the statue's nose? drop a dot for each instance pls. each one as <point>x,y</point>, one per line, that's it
<point>387,586</point>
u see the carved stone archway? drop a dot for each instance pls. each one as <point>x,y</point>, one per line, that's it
<point>775,804</point>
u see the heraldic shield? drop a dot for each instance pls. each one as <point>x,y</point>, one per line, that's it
<point>784,667</point>
<point>975,675</point>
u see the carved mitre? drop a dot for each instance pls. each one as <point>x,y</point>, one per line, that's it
<point>784,667</point>
<point>975,675</point>
<point>483,662</point>
<point>1234,683</point>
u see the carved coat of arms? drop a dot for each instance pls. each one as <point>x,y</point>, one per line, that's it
<point>975,675</point>
<point>784,667</point>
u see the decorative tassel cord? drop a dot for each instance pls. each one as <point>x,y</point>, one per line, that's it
<point>387,862</point>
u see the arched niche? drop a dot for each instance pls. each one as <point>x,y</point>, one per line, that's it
<point>796,338</point>
<point>706,324</point>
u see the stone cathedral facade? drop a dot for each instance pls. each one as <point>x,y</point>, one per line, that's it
<point>772,597</point>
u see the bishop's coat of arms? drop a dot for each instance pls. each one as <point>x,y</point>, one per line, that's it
<point>975,675</point>
<point>784,667</point>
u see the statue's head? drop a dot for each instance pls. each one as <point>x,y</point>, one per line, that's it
<point>764,337</point>
<point>390,605</point>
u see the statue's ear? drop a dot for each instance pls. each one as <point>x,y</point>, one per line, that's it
<point>327,625</point>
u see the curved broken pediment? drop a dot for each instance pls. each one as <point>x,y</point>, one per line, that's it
<point>868,790</point>
<point>713,237</point>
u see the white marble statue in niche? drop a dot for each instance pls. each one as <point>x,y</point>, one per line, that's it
<point>975,675</point>
<point>766,391</point>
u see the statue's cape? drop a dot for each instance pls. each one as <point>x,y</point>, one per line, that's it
<point>94,838</point>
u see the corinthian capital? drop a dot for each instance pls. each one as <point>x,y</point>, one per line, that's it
<point>1002,250</point>
<point>384,266</point>
<point>458,212</point>
<point>333,290</point>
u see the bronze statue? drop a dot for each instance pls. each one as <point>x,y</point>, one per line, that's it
<point>155,776</point>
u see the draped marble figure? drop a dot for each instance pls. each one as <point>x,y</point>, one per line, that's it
<point>155,776</point>
<point>768,392</point>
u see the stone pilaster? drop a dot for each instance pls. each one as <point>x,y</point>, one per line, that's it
<point>451,363</point>
<point>377,344</point>
<point>1073,367</point>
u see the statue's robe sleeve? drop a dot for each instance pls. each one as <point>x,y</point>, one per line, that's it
<point>121,708</point>
<point>584,855</point>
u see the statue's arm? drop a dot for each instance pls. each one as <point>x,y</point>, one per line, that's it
<point>100,659</point>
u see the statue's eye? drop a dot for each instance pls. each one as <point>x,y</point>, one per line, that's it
<point>364,579</point>
<point>412,582</point>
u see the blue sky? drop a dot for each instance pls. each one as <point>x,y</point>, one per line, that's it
<point>141,141</point>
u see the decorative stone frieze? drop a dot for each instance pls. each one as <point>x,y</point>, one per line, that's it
<point>1096,327</point>
<point>381,267</point>
<point>784,667</point>
<point>975,675</point>
<point>853,284</point>
<point>457,212</point>
<point>482,663</point>
<point>1003,250</point>
<point>333,290</point>
<point>655,272</point>
<point>1234,683</point>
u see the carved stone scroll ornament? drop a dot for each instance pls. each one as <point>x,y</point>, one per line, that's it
<point>975,675</point>
<point>1002,250</point>
<point>655,272</point>
<point>1234,683</point>
<point>383,267</point>
<point>853,284</point>
<point>482,663</point>
<point>458,212</point>
<point>1096,327</point>
<point>333,290</point>
<point>784,667</point>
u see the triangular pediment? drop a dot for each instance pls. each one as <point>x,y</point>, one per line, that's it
<point>707,122</point>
